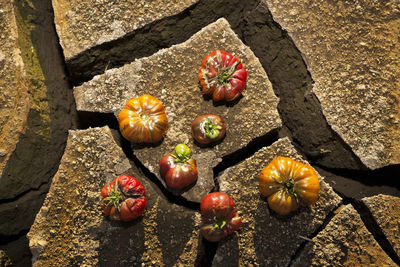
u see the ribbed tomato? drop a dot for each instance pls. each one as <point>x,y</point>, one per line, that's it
<point>288,184</point>
<point>218,216</point>
<point>123,199</point>
<point>222,76</point>
<point>143,120</point>
<point>178,169</point>
<point>209,128</point>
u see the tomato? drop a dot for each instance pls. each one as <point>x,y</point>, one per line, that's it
<point>208,128</point>
<point>123,199</point>
<point>143,120</point>
<point>222,76</point>
<point>218,216</point>
<point>178,169</point>
<point>288,184</point>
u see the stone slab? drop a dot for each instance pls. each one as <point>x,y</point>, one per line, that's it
<point>386,211</point>
<point>83,24</point>
<point>14,100</point>
<point>345,241</point>
<point>171,76</point>
<point>265,238</point>
<point>71,230</point>
<point>352,51</point>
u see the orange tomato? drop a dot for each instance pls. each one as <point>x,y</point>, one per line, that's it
<point>143,120</point>
<point>288,184</point>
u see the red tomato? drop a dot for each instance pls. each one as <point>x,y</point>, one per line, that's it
<point>208,128</point>
<point>222,76</point>
<point>123,199</point>
<point>178,169</point>
<point>219,216</point>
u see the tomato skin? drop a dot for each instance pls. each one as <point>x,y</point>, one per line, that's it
<point>222,76</point>
<point>288,184</point>
<point>218,216</point>
<point>178,172</point>
<point>143,120</point>
<point>208,128</point>
<point>130,201</point>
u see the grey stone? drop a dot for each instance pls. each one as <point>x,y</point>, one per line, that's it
<point>171,76</point>
<point>265,238</point>
<point>386,211</point>
<point>345,241</point>
<point>70,228</point>
<point>85,24</point>
<point>352,52</point>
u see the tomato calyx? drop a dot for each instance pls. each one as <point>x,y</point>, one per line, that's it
<point>144,117</point>
<point>182,153</point>
<point>114,198</point>
<point>288,186</point>
<point>224,76</point>
<point>211,130</point>
<point>219,223</point>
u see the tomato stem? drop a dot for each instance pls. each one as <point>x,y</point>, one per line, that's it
<point>288,185</point>
<point>182,153</point>
<point>219,223</point>
<point>114,197</point>
<point>144,117</point>
<point>211,130</point>
<point>223,76</point>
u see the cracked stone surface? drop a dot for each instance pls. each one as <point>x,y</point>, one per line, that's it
<point>171,76</point>
<point>85,24</point>
<point>4,259</point>
<point>352,52</point>
<point>70,228</point>
<point>386,211</point>
<point>345,241</point>
<point>14,100</point>
<point>265,238</point>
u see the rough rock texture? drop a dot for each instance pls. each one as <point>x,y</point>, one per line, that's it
<point>352,52</point>
<point>265,238</point>
<point>386,211</point>
<point>39,147</point>
<point>345,241</point>
<point>84,24</point>
<point>4,259</point>
<point>14,100</point>
<point>171,76</point>
<point>70,228</point>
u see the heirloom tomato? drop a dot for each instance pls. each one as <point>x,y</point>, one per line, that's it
<point>123,199</point>
<point>178,168</point>
<point>222,76</point>
<point>208,128</point>
<point>143,120</point>
<point>218,216</point>
<point>288,184</point>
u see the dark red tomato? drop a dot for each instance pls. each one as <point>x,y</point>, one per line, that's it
<point>208,128</point>
<point>219,216</point>
<point>123,199</point>
<point>178,168</point>
<point>222,76</point>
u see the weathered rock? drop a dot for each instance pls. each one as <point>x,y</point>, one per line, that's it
<point>35,99</point>
<point>70,228</point>
<point>4,259</point>
<point>85,24</point>
<point>352,52</point>
<point>171,76</point>
<point>386,211</point>
<point>265,238</point>
<point>345,241</point>
<point>14,100</point>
